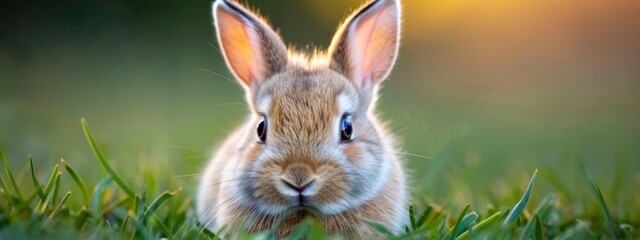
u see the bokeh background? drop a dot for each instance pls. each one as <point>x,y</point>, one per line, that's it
<point>484,92</point>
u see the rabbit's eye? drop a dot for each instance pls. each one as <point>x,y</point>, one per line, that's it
<point>262,130</point>
<point>346,129</point>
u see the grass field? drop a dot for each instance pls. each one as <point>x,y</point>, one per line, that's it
<point>153,206</point>
<point>484,93</point>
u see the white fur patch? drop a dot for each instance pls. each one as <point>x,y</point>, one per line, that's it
<point>346,103</point>
<point>262,104</point>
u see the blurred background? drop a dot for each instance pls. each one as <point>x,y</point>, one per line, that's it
<point>484,92</point>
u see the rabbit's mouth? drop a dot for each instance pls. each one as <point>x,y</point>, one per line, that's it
<point>304,203</point>
<point>304,211</point>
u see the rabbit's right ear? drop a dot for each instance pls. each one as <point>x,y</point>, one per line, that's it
<point>252,50</point>
<point>366,46</point>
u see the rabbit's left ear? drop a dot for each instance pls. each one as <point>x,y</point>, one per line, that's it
<point>365,47</point>
<point>253,51</point>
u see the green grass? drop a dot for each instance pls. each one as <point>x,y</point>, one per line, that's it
<point>117,208</point>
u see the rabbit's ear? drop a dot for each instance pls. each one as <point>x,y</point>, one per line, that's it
<point>366,45</point>
<point>252,50</point>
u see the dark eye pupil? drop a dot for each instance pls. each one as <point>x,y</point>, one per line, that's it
<point>262,130</point>
<point>346,129</point>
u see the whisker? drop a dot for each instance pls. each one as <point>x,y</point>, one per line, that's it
<point>221,171</point>
<point>186,148</point>
<point>187,175</point>
<point>214,47</point>
<point>231,200</point>
<point>227,104</point>
<point>220,75</point>
<point>416,155</point>
<point>196,156</point>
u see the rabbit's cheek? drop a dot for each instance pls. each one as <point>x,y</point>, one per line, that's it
<point>333,184</point>
<point>264,188</point>
<point>251,155</point>
<point>353,153</point>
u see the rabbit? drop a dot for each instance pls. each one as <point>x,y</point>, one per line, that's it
<point>312,145</point>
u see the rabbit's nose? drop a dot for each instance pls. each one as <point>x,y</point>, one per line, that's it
<point>297,187</point>
<point>298,178</point>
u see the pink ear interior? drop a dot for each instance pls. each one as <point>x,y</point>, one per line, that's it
<point>240,44</point>
<point>373,41</point>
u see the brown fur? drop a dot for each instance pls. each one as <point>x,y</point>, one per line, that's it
<point>302,102</point>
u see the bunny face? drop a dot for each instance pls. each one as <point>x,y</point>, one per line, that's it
<point>305,162</point>
<point>312,145</point>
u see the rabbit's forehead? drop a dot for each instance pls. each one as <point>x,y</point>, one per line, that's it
<point>306,100</point>
<point>309,92</point>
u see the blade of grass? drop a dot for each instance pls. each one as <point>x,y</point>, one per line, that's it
<point>184,206</point>
<point>34,178</point>
<point>157,203</point>
<point>56,187</point>
<point>519,207</point>
<point>7,191</point>
<point>541,212</point>
<point>136,203</point>
<point>7,169</point>
<point>53,197</point>
<point>27,203</point>
<point>412,217</point>
<point>539,235</point>
<point>96,200</point>
<point>57,208</point>
<point>481,224</point>
<point>78,181</point>
<point>160,224</point>
<point>141,202</point>
<point>626,229</point>
<point>545,207</point>
<point>580,230</point>
<point>441,229</point>
<point>300,230</point>
<point>202,229</point>
<point>123,225</point>
<point>182,209</point>
<point>418,234</point>
<point>81,219</point>
<point>103,160</point>
<point>124,199</point>
<point>452,233</point>
<point>505,214</point>
<point>380,228</point>
<point>425,216</point>
<point>140,228</point>
<point>47,189</point>
<point>466,221</point>
<point>317,231</point>
<point>595,189</point>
